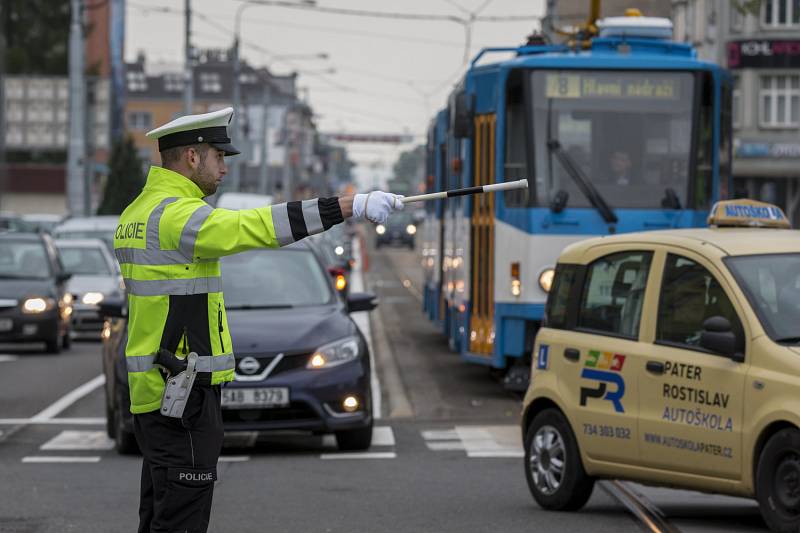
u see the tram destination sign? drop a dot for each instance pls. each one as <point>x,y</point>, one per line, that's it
<point>612,85</point>
<point>764,53</point>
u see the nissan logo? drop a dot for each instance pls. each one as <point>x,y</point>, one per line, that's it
<point>249,365</point>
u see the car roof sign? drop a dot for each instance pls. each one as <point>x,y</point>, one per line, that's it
<point>747,213</point>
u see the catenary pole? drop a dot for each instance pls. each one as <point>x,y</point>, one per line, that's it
<point>76,148</point>
<point>188,88</point>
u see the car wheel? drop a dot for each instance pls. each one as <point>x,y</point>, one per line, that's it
<point>553,466</point>
<point>124,440</point>
<point>778,481</point>
<point>354,439</point>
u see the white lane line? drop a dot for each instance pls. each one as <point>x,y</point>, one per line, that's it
<point>359,455</point>
<point>4,358</point>
<point>55,459</point>
<point>496,453</point>
<point>382,436</point>
<point>233,458</point>
<point>69,398</point>
<point>53,421</point>
<point>79,440</point>
<point>362,321</point>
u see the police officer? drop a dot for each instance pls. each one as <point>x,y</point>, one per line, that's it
<point>168,244</point>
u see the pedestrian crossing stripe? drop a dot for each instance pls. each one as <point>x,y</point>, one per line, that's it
<point>79,440</point>
<point>478,442</point>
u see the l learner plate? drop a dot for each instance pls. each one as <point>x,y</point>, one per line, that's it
<point>255,398</point>
<point>6,324</point>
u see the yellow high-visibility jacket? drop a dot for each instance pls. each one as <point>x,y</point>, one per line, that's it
<point>168,244</point>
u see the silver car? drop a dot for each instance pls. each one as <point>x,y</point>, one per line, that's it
<point>97,227</point>
<point>95,277</point>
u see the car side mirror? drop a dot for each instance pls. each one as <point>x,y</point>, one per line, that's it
<point>718,336</point>
<point>361,301</point>
<point>63,276</point>
<point>113,308</point>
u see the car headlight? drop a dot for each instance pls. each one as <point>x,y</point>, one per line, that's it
<point>339,250</point>
<point>92,298</point>
<point>36,305</point>
<point>411,229</point>
<point>546,279</point>
<point>380,229</point>
<point>335,353</point>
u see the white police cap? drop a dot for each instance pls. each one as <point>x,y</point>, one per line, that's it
<point>208,128</point>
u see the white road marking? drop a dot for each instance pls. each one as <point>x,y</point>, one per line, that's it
<point>362,321</point>
<point>79,440</point>
<point>445,446</point>
<point>382,436</point>
<point>55,459</point>
<point>233,458</point>
<point>359,455</point>
<point>5,358</point>
<point>440,434</point>
<point>69,398</point>
<point>53,421</point>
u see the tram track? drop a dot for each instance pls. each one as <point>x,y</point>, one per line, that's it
<point>646,513</point>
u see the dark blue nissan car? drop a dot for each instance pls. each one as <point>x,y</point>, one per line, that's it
<point>301,362</point>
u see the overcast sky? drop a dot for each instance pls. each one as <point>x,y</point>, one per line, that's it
<point>391,74</point>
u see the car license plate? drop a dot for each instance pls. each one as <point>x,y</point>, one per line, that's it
<point>255,398</point>
<point>6,324</point>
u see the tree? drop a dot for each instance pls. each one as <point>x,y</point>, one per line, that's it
<point>37,35</point>
<point>125,178</point>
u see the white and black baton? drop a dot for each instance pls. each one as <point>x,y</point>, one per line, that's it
<point>495,187</point>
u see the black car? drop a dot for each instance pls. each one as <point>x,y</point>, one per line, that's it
<point>34,303</point>
<point>399,230</point>
<point>302,363</point>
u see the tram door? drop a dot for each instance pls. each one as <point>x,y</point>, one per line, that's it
<point>442,218</point>
<point>481,335</point>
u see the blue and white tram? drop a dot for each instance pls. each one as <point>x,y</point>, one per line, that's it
<point>632,133</point>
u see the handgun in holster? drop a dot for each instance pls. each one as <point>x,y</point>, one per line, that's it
<point>180,378</point>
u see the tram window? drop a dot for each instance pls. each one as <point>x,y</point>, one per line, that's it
<point>614,293</point>
<point>629,132</point>
<point>516,165</point>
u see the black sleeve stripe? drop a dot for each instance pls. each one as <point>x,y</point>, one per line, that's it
<point>330,212</point>
<point>296,221</point>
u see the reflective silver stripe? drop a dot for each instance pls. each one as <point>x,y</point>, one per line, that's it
<point>311,216</point>
<point>153,242</point>
<point>165,287</point>
<point>150,257</point>
<point>191,229</point>
<point>280,221</point>
<point>205,363</point>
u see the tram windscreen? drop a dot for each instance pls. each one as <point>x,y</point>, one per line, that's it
<point>630,133</point>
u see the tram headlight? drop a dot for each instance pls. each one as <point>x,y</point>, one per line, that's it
<point>380,229</point>
<point>516,282</point>
<point>546,279</point>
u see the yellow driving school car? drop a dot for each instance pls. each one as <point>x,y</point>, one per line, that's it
<point>673,358</point>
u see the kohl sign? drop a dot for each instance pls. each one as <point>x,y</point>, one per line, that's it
<point>764,53</point>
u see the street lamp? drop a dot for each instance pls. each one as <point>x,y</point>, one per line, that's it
<point>237,31</point>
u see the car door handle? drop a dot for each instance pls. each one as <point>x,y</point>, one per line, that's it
<point>655,367</point>
<point>572,354</point>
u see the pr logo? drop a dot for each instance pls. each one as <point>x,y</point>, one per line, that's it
<point>604,368</point>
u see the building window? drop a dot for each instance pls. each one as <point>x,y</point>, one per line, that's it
<point>140,120</point>
<point>779,100</point>
<point>173,82</point>
<point>210,83</point>
<point>737,18</point>
<point>737,101</point>
<point>137,81</point>
<point>780,13</point>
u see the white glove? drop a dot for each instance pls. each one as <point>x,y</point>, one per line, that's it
<point>376,206</point>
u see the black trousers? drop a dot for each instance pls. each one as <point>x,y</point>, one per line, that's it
<point>180,464</point>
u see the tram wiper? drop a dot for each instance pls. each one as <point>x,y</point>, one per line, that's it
<point>582,181</point>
